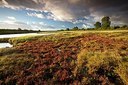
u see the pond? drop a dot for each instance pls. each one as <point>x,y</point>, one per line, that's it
<point>19,35</point>
<point>4,45</point>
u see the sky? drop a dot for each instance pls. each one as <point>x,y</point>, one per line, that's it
<point>60,14</point>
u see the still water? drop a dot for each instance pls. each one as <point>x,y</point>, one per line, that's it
<point>19,35</point>
<point>4,45</point>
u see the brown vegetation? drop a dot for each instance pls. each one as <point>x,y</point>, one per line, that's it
<point>60,59</point>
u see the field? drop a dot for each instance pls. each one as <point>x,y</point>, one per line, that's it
<point>67,58</point>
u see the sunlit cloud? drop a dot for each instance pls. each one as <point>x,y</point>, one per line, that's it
<point>38,15</point>
<point>11,18</point>
<point>9,22</point>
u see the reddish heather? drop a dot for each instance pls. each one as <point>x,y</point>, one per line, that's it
<point>53,61</point>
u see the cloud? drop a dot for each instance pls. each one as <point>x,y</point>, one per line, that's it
<point>41,26</point>
<point>29,4</point>
<point>71,10</point>
<point>63,26</point>
<point>11,18</point>
<point>38,15</point>
<point>13,25</point>
<point>9,24</point>
<point>84,26</point>
<point>87,25</point>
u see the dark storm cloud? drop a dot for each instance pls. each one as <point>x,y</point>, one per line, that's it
<point>116,9</point>
<point>31,4</point>
<point>67,10</point>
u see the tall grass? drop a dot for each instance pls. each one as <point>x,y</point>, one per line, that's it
<point>102,59</point>
<point>4,40</point>
<point>18,40</point>
<point>107,64</point>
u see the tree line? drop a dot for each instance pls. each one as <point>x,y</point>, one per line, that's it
<point>16,31</point>
<point>105,24</point>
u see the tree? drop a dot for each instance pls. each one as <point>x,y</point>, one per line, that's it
<point>116,27</point>
<point>75,28</point>
<point>106,22</point>
<point>97,25</point>
<point>124,26</point>
<point>67,29</point>
<point>83,29</point>
<point>19,29</point>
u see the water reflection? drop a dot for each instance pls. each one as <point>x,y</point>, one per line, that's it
<point>19,35</point>
<point>4,45</point>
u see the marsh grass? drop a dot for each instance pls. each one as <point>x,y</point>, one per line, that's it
<point>102,59</point>
<point>105,62</point>
<point>7,51</point>
<point>11,66</point>
<point>4,40</point>
<point>18,40</point>
<point>109,64</point>
<point>60,36</point>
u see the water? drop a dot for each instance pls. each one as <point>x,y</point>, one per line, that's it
<point>4,45</point>
<point>19,35</point>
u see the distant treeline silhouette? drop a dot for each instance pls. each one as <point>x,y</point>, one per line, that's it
<point>105,24</point>
<point>16,31</point>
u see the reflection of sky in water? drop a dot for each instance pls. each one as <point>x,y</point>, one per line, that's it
<point>19,35</point>
<point>4,45</point>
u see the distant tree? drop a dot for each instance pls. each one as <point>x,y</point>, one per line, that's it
<point>61,30</point>
<point>83,29</point>
<point>67,29</point>
<point>116,27</point>
<point>19,29</point>
<point>75,28</point>
<point>124,26</point>
<point>106,22</point>
<point>97,25</point>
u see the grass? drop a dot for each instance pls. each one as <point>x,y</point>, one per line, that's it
<point>70,57</point>
<point>4,40</point>
<point>103,64</point>
<point>10,67</point>
<point>16,41</point>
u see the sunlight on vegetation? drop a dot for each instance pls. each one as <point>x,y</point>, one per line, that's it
<point>17,40</point>
<point>70,57</point>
